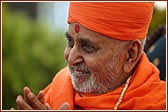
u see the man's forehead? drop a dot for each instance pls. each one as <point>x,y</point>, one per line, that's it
<point>76,30</point>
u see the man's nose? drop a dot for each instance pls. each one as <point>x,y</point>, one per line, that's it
<point>75,56</point>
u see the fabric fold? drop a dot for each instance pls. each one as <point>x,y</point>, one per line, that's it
<point>146,91</point>
<point>119,20</point>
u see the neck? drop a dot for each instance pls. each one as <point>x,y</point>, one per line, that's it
<point>130,73</point>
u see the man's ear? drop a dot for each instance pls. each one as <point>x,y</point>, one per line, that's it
<point>133,54</point>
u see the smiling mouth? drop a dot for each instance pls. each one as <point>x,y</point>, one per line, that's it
<point>79,73</point>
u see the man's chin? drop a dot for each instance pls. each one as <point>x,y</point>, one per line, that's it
<point>83,87</point>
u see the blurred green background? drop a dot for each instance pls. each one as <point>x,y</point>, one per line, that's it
<point>32,53</point>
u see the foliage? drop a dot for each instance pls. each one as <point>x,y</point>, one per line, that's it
<point>31,55</point>
<point>158,19</point>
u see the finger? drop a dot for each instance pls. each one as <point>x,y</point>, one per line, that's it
<point>26,91</point>
<point>12,108</point>
<point>21,104</point>
<point>64,106</point>
<point>48,106</point>
<point>36,102</point>
<point>41,96</point>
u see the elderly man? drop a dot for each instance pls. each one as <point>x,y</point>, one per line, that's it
<point>107,68</point>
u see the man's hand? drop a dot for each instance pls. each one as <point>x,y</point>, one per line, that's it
<point>64,106</point>
<point>32,102</point>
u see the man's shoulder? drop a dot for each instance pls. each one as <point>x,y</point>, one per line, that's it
<point>151,93</point>
<point>62,74</point>
<point>63,71</point>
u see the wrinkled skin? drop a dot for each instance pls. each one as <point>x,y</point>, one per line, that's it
<point>98,64</point>
<point>32,102</point>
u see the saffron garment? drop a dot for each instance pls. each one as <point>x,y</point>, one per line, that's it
<point>145,92</point>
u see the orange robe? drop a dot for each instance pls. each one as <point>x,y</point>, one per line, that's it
<point>145,92</point>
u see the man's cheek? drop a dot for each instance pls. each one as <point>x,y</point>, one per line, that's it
<point>66,54</point>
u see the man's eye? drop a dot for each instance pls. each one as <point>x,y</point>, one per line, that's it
<point>70,42</point>
<point>69,39</point>
<point>88,48</point>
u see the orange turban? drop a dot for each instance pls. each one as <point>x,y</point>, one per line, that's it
<point>119,20</point>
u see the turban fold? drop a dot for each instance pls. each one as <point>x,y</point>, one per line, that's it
<point>119,20</point>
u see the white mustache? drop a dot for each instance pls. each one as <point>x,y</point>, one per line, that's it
<point>82,68</point>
